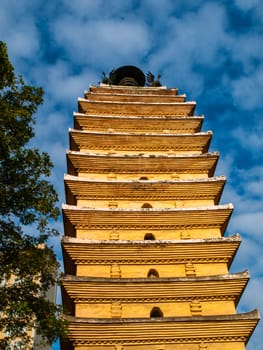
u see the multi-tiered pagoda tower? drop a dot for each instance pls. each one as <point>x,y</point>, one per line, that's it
<point>146,260</point>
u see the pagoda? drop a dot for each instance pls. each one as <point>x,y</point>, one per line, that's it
<point>145,256</point>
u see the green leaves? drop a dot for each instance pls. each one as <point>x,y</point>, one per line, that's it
<point>6,68</point>
<point>28,202</point>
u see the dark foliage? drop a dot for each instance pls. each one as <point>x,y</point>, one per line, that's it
<point>28,267</point>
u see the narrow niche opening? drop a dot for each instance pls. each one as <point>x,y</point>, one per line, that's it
<point>143,178</point>
<point>153,273</point>
<point>146,206</point>
<point>149,237</point>
<point>156,312</point>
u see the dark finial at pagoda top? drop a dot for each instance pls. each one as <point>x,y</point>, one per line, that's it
<point>128,76</point>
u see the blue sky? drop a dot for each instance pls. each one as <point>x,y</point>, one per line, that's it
<point>210,50</point>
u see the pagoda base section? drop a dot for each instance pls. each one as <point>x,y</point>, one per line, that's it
<point>229,332</point>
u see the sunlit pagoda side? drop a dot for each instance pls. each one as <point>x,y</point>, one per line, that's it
<point>145,256</point>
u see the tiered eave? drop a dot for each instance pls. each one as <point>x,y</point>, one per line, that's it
<point>146,261</point>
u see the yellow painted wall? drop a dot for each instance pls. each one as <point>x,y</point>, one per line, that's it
<point>141,271</point>
<point>188,346</point>
<point>136,176</point>
<point>143,310</point>
<point>137,204</point>
<point>113,151</point>
<point>159,234</point>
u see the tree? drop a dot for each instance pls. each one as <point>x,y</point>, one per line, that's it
<point>28,202</point>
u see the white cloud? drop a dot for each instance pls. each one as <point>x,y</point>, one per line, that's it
<point>224,165</point>
<point>248,5</point>
<point>251,299</point>
<point>246,48</point>
<point>251,138</point>
<point>102,42</point>
<point>249,223</point>
<point>18,28</point>
<point>82,8</point>
<point>247,90</point>
<point>99,9</point>
<point>255,188</point>
<point>192,39</point>
<point>156,12</point>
